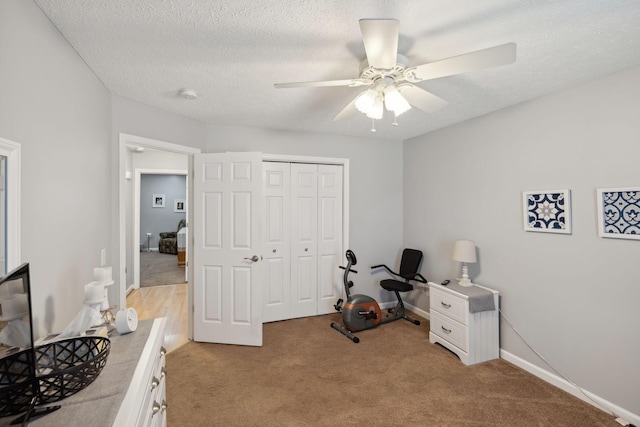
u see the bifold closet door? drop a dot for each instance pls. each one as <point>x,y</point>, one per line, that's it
<point>302,237</point>
<point>276,237</point>
<point>304,240</point>
<point>330,253</point>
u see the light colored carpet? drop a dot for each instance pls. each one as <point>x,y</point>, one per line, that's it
<point>160,269</point>
<point>307,374</point>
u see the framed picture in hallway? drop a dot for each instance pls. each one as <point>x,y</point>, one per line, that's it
<point>547,211</point>
<point>158,201</point>
<point>179,205</point>
<point>619,213</point>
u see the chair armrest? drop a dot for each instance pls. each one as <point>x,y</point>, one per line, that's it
<point>417,277</point>
<point>386,268</point>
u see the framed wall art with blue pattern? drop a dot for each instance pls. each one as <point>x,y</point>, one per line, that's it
<point>547,211</point>
<point>619,213</point>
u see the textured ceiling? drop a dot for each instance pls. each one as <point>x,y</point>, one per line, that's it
<point>233,51</point>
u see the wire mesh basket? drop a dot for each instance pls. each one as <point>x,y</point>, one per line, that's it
<point>63,368</point>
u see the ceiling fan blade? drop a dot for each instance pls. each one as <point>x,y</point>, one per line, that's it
<point>422,99</point>
<point>347,111</point>
<point>326,83</point>
<point>474,61</point>
<point>380,37</point>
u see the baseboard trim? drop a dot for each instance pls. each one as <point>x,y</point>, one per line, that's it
<point>418,311</point>
<point>563,384</point>
<point>413,308</point>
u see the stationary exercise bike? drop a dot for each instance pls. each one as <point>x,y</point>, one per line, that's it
<point>361,312</point>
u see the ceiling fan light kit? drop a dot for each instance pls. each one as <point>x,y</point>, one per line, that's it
<point>391,80</point>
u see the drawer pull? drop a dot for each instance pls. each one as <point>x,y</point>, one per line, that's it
<point>446,330</point>
<point>163,351</point>
<point>445,305</point>
<point>164,405</point>
<point>163,372</point>
<point>156,408</point>
<point>154,383</point>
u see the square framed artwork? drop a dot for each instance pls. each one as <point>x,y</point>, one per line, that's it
<point>179,205</point>
<point>619,213</point>
<point>547,211</point>
<point>158,201</point>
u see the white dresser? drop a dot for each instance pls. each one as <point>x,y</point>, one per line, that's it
<point>470,332</point>
<point>145,401</point>
<point>129,392</point>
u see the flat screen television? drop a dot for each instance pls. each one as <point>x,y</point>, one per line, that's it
<point>19,388</point>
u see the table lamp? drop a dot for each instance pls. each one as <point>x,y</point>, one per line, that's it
<point>464,251</point>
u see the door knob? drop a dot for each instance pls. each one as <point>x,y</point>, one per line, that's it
<point>253,258</point>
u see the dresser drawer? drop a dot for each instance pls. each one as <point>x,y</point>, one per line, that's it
<point>449,305</point>
<point>450,330</point>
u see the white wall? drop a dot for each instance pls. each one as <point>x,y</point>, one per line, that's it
<point>573,297</point>
<point>375,188</point>
<point>56,108</point>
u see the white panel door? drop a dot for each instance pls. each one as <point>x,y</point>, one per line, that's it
<point>226,237</point>
<point>329,236</point>
<point>276,292</point>
<point>304,240</point>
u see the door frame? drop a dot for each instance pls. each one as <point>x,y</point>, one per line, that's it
<point>12,151</point>
<point>135,247</point>
<point>128,140</point>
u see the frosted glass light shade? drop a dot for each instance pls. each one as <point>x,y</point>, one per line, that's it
<point>365,101</point>
<point>377,109</point>
<point>394,101</point>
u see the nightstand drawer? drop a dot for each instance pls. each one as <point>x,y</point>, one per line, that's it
<point>449,305</point>
<point>450,330</point>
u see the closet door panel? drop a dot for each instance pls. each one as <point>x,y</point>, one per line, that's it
<point>329,236</point>
<point>276,238</point>
<point>304,240</point>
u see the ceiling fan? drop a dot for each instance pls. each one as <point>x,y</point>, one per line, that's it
<point>390,79</point>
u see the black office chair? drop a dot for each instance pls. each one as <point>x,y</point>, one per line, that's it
<point>409,265</point>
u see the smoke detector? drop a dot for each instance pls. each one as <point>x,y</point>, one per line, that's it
<point>188,93</point>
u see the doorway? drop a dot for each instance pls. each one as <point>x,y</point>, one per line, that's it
<point>151,219</point>
<point>155,154</point>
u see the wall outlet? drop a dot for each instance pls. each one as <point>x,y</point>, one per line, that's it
<point>103,257</point>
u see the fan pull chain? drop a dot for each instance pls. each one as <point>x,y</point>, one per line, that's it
<point>373,125</point>
<point>395,119</point>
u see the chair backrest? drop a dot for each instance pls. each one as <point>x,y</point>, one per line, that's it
<point>182,223</point>
<point>410,262</point>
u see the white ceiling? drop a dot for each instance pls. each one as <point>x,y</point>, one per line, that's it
<point>233,51</point>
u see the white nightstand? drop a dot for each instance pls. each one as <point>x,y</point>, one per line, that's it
<point>474,337</point>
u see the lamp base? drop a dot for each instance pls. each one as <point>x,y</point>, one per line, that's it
<point>465,282</point>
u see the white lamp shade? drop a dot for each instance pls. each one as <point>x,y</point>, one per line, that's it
<point>464,251</point>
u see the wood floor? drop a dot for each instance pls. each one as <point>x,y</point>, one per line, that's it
<point>168,301</point>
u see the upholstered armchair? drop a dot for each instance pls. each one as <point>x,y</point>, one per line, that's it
<point>168,243</point>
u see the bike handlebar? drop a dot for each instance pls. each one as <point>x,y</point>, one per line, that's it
<point>351,269</point>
